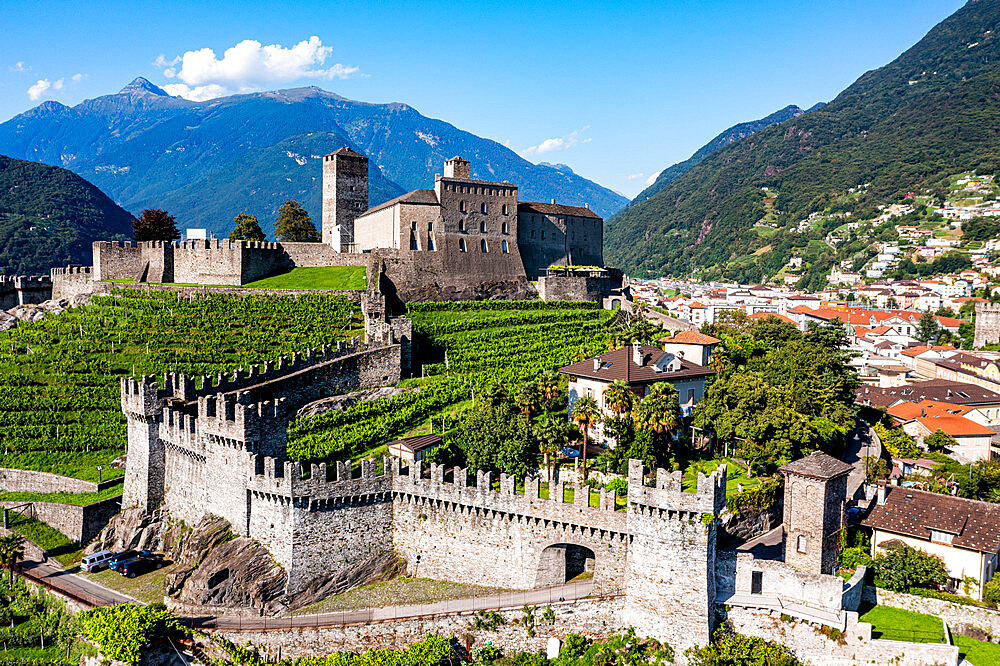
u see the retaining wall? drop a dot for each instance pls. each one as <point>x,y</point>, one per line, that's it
<point>29,481</point>
<point>79,523</point>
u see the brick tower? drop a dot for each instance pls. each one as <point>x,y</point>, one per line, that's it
<point>345,196</point>
<point>815,493</point>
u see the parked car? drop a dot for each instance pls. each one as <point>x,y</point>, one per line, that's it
<point>121,557</point>
<point>140,565</point>
<point>96,561</point>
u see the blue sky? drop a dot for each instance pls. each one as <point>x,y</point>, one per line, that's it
<point>617,91</point>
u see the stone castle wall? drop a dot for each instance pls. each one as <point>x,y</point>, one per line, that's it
<point>23,290</point>
<point>29,481</point>
<point>79,523</point>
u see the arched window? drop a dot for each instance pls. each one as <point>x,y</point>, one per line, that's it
<point>461,245</point>
<point>483,208</point>
<point>482,245</point>
<point>461,205</point>
<point>482,227</point>
<point>505,209</point>
<point>504,228</point>
<point>461,224</point>
<point>503,246</point>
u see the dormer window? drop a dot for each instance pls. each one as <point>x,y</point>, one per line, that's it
<point>941,537</point>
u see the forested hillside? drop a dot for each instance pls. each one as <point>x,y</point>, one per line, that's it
<point>50,216</point>
<point>931,112</point>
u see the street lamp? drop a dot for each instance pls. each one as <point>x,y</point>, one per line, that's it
<point>99,468</point>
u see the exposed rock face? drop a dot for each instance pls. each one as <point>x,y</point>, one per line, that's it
<point>378,568</point>
<point>737,528</point>
<point>34,312</point>
<point>7,321</point>
<point>484,291</point>
<point>348,400</point>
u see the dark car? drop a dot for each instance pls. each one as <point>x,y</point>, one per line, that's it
<point>120,558</point>
<point>140,565</point>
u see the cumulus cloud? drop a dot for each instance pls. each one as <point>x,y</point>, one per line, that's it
<point>652,178</point>
<point>558,143</point>
<point>19,66</point>
<point>44,88</point>
<point>78,77</point>
<point>248,66</point>
<point>633,176</point>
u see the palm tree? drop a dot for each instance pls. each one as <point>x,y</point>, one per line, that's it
<point>659,412</point>
<point>548,384</point>
<point>618,397</point>
<point>586,414</point>
<point>552,436</point>
<point>11,552</point>
<point>528,398</point>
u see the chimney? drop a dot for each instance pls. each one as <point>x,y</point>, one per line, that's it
<point>597,363</point>
<point>880,498</point>
<point>552,201</point>
<point>637,353</point>
<point>587,206</point>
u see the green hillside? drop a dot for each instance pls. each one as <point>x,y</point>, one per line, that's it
<point>50,216</point>
<point>932,112</point>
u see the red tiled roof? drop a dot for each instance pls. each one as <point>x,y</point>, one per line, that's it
<point>765,315</point>
<point>691,338</point>
<point>914,513</point>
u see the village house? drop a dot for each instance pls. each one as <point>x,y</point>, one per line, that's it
<point>921,419</point>
<point>964,533</point>
<point>414,449</point>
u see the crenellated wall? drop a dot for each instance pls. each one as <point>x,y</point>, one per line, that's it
<point>24,290</point>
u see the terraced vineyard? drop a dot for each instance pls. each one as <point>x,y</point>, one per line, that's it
<point>59,377</point>
<point>464,347</point>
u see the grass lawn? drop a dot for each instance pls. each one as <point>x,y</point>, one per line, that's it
<point>77,464</point>
<point>978,653</point>
<point>147,588</point>
<point>398,592</point>
<point>323,277</point>
<point>51,540</point>
<point>896,624</point>
<point>74,499</point>
<point>734,475</point>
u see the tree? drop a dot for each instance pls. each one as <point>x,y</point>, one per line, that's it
<point>11,553</point>
<point>729,649</point>
<point>659,412</point>
<point>618,397</point>
<point>294,224</point>
<point>586,415</point>
<point>548,385</point>
<point>939,440</point>
<point>495,394</point>
<point>901,567</point>
<point>927,328</point>
<point>495,439</point>
<point>154,224</point>
<point>552,435</point>
<point>247,228</point>
<point>529,398</point>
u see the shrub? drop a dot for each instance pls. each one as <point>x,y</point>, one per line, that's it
<point>123,631</point>
<point>739,650</point>
<point>991,592</point>
<point>852,558</point>
<point>902,567</point>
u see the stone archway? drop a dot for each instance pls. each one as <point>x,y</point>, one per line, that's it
<point>560,563</point>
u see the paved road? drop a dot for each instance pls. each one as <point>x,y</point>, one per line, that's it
<point>861,443</point>
<point>88,593</point>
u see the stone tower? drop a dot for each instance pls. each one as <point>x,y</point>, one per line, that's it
<point>815,494</point>
<point>987,324</point>
<point>457,167</point>
<point>345,196</point>
<point>144,466</point>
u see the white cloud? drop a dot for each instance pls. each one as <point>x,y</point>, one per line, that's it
<point>652,178</point>
<point>558,143</point>
<point>19,66</point>
<point>43,87</point>
<point>633,176</point>
<point>247,67</point>
<point>78,77</point>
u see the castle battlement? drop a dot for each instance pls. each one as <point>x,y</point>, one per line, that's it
<point>141,397</point>
<point>72,270</point>
<point>292,480</point>
<point>179,428</point>
<point>667,495</point>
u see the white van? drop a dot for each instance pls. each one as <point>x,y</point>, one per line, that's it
<point>96,561</point>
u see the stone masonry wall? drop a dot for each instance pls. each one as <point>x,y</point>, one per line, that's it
<point>79,523</point>
<point>72,281</point>
<point>28,481</point>
<point>23,290</point>
<point>987,324</point>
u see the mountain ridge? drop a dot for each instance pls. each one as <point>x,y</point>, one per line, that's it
<point>148,149</point>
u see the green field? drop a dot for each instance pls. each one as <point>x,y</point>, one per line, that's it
<point>896,624</point>
<point>324,277</point>
<point>49,539</point>
<point>59,377</point>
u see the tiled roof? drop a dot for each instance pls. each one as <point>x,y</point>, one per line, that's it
<point>420,197</point>
<point>817,465</point>
<point>555,209</point>
<point>691,338</point>
<point>346,151</point>
<point>765,315</point>
<point>418,443</point>
<point>940,390</point>
<point>618,365</point>
<point>907,511</point>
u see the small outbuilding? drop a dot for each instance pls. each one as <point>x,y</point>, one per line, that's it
<point>414,449</point>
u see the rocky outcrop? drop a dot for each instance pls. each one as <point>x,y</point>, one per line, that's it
<point>346,401</point>
<point>735,528</point>
<point>7,321</point>
<point>377,568</point>
<point>36,311</point>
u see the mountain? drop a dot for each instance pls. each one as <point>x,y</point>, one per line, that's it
<point>731,135</point>
<point>931,112</point>
<point>49,217</point>
<point>207,161</point>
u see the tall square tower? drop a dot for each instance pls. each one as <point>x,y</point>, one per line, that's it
<point>815,494</point>
<point>345,196</point>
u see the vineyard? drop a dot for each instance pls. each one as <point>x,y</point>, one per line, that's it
<point>464,347</point>
<point>59,377</point>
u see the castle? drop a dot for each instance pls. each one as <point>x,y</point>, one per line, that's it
<point>465,239</point>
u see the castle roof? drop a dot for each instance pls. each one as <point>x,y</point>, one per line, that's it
<point>416,197</point>
<point>555,209</point>
<point>346,151</point>
<point>817,465</point>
